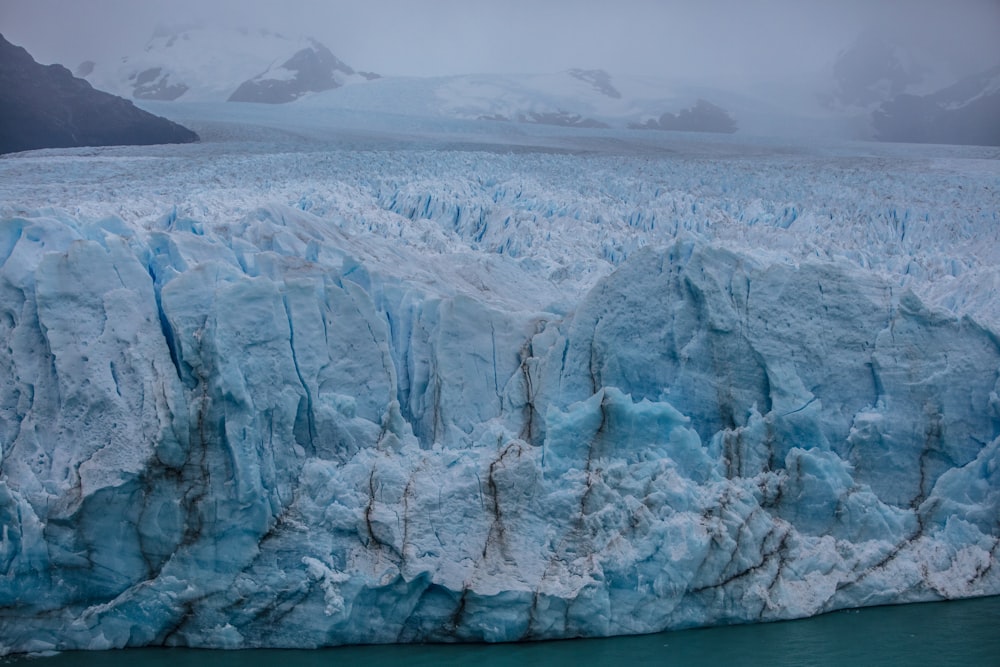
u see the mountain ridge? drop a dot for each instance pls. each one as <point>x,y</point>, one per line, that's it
<point>201,63</point>
<point>966,112</point>
<point>45,106</point>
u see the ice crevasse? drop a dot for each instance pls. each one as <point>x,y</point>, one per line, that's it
<point>248,434</point>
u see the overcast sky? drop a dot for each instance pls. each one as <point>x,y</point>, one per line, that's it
<point>717,41</point>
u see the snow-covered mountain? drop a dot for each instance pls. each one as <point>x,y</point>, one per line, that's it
<point>875,68</point>
<point>204,64</point>
<point>967,112</point>
<point>867,78</point>
<point>211,64</point>
<point>893,92</point>
<point>571,98</point>
<point>310,70</point>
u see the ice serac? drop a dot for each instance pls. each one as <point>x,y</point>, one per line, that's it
<point>251,433</point>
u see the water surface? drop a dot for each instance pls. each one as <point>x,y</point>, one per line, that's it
<point>965,632</point>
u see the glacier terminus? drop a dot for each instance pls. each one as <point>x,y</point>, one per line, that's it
<point>276,390</point>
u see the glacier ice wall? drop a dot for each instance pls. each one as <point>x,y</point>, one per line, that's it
<point>252,433</point>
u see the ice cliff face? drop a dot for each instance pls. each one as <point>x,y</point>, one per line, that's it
<point>246,433</point>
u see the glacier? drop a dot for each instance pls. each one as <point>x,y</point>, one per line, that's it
<point>288,394</point>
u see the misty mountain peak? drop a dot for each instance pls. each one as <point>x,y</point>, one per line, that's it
<point>310,70</point>
<point>877,67</point>
<point>204,63</point>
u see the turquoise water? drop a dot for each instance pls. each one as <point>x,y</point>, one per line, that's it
<point>963,633</point>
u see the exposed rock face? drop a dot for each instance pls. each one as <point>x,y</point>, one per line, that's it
<point>310,70</point>
<point>45,106</point>
<point>702,117</point>
<point>599,79</point>
<point>155,84</point>
<point>965,113</point>
<point>560,118</point>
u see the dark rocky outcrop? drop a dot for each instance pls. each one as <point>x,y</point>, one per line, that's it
<point>311,70</point>
<point>599,79</point>
<point>702,117</point>
<point>561,119</point>
<point>45,106</point>
<point>154,84</point>
<point>967,112</point>
<point>557,118</point>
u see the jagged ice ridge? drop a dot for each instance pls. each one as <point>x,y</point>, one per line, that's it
<point>303,398</point>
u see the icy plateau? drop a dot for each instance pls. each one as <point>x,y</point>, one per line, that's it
<point>266,391</point>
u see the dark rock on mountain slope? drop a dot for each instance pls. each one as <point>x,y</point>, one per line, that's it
<point>154,84</point>
<point>560,118</point>
<point>599,79</point>
<point>967,112</point>
<point>45,106</point>
<point>310,70</point>
<point>702,117</point>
